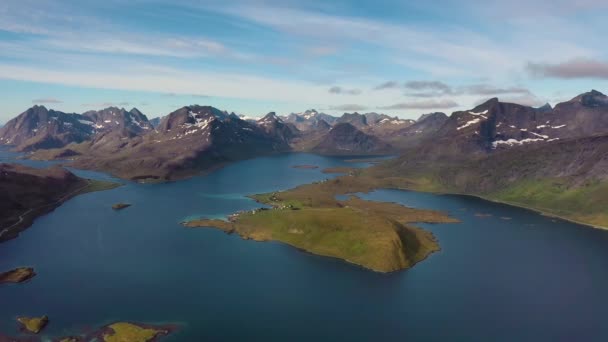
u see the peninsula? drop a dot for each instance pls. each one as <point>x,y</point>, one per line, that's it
<point>26,193</point>
<point>378,236</point>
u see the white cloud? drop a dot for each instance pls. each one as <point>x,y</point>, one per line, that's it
<point>46,100</point>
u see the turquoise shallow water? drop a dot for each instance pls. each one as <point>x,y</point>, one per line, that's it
<point>526,278</point>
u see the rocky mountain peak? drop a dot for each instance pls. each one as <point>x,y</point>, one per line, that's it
<point>592,98</point>
<point>431,116</point>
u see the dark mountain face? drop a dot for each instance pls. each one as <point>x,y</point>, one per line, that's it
<point>584,115</point>
<point>344,138</point>
<point>155,121</point>
<point>355,119</point>
<point>41,128</point>
<point>276,128</point>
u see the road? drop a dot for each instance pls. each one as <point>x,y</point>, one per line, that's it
<point>59,201</point>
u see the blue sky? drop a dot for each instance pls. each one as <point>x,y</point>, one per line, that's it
<point>403,58</point>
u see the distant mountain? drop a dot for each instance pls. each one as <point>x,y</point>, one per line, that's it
<point>188,140</point>
<point>545,108</point>
<point>275,127</point>
<point>355,119</point>
<point>309,119</point>
<point>421,130</point>
<point>40,128</point>
<point>345,138</point>
<point>155,121</point>
<point>376,119</point>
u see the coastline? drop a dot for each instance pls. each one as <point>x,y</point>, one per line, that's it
<point>29,217</point>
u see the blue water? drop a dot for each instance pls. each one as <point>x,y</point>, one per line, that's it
<point>527,278</point>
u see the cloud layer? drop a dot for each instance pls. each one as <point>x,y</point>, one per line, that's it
<point>572,69</point>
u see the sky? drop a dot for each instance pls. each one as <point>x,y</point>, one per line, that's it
<point>403,58</point>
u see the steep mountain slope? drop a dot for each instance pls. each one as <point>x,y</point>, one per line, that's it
<point>423,129</point>
<point>564,177</point>
<point>584,115</point>
<point>344,138</point>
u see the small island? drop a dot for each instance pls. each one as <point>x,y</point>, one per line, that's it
<point>378,236</point>
<point>18,275</point>
<point>305,166</point>
<point>115,332</point>
<point>124,331</point>
<point>120,206</point>
<point>33,324</point>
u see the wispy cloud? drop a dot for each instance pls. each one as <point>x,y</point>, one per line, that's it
<point>348,108</point>
<point>342,91</point>
<point>572,69</point>
<point>388,85</point>
<point>486,89</point>
<point>430,104</point>
<point>46,100</point>
<point>99,105</point>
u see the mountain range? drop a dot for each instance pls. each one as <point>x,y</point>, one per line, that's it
<point>198,138</point>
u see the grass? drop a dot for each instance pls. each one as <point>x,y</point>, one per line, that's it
<point>34,324</point>
<point>128,332</point>
<point>18,275</point>
<point>98,185</point>
<point>374,235</point>
<point>586,202</point>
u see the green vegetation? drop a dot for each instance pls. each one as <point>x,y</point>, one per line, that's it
<point>586,202</point>
<point>33,324</point>
<point>18,275</point>
<point>374,235</point>
<point>128,332</point>
<point>583,201</point>
<point>98,185</point>
<point>120,206</point>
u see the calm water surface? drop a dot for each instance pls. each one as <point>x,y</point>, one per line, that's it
<point>527,277</point>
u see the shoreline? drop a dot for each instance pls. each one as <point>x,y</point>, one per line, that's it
<point>520,206</point>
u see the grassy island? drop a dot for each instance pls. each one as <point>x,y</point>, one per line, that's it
<point>18,275</point>
<point>123,331</point>
<point>33,324</point>
<point>120,206</point>
<point>375,235</point>
<point>115,332</point>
